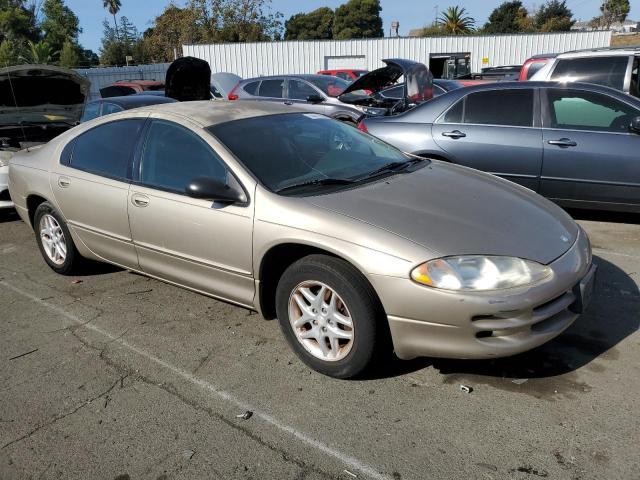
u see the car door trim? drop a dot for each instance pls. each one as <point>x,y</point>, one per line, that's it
<point>98,231</point>
<point>595,182</point>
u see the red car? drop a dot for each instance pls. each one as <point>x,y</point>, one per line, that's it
<point>129,87</point>
<point>346,74</point>
<point>535,63</point>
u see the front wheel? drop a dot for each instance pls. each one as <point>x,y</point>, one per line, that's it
<point>330,316</point>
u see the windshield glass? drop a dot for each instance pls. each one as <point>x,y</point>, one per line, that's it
<point>332,86</point>
<point>303,148</point>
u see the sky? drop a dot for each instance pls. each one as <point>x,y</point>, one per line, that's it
<point>410,13</point>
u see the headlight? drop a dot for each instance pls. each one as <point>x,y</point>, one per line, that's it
<point>476,272</point>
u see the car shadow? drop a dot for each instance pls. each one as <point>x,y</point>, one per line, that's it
<point>611,317</point>
<point>8,215</point>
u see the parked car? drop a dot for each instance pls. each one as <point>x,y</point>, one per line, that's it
<point>222,83</point>
<point>38,102</point>
<point>345,73</point>
<point>107,106</point>
<point>612,67</point>
<point>499,73</point>
<point>440,86</point>
<point>534,65</point>
<point>129,87</point>
<point>576,144</point>
<point>348,241</point>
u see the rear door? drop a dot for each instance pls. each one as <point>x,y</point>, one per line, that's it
<point>590,155</point>
<point>91,185</point>
<point>496,131</point>
<point>272,89</point>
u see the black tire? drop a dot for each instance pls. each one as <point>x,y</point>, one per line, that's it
<point>369,324</point>
<point>73,260</point>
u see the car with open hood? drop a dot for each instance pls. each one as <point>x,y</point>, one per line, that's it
<point>356,247</point>
<point>37,103</point>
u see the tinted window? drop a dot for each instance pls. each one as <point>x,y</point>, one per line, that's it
<point>215,92</point>
<point>91,111</point>
<point>343,76</point>
<point>272,88</point>
<point>609,71</point>
<point>300,90</point>
<point>579,110</point>
<point>634,87</point>
<point>500,107</point>
<point>173,156</point>
<point>107,149</point>
<point>251,88</point>
<point>454,114</point>
<point>289,149</point>
<point>533,69</point>
<point>108,108</point>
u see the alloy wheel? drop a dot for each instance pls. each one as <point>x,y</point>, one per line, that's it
<point>53,241</point>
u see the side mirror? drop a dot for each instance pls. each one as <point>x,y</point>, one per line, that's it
<point>634,126</point>
<point>213,189</point>
<point>315,98</point>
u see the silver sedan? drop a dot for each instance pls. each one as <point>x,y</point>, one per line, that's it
<point>356,248</point>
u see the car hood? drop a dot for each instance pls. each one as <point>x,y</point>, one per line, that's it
<point>41,93</point>
<point>417,78</point>
<point>452,210</point>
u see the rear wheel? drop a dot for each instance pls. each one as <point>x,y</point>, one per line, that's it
<point>330,316</point>
<point>54,240</point>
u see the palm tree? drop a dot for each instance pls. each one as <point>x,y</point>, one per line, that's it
<point>456,21</point>
<point>113,6</point>
<point>39,53</point>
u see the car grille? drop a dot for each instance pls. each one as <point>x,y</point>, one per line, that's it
<point>546,317</point>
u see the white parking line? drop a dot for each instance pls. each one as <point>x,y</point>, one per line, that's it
<point>348,460</point>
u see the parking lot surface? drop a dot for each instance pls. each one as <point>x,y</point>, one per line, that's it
<point>112,375</point>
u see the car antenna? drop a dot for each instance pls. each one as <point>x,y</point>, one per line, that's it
<point>15,101</point>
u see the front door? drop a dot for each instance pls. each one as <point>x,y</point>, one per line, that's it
<point>91,185</point>
<point>590,155</point>
<point>495,131</point>
<point>299,91</point>
<point>189,241</point>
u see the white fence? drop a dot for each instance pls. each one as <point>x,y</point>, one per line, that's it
<point>278,58</point>
<point>101,77</point>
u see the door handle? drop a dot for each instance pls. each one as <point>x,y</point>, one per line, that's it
<point>140,200</point>
<point>563,143</point>
<point>454,134</point>
<point>64,182</point>
<point>288,102</point>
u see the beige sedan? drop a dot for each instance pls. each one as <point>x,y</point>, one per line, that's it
<point>357,248</point>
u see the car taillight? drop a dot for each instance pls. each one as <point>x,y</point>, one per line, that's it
<point>362,127</point>
<point>232,94</point>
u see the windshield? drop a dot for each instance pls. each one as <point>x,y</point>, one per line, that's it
<point>304,148</point>
<point>332,86</point>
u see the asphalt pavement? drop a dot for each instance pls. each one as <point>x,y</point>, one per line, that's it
<point>112,375</point>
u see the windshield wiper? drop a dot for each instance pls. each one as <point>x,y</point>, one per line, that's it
<point>317,181</point>
<point>392,167</point>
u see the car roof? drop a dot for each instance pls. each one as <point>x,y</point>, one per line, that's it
<point>207,113</point>
<point>600,52</point>
<point>135,101</point>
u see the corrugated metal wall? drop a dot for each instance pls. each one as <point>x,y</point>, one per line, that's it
<point>275,58</point>
<point>101,77</point>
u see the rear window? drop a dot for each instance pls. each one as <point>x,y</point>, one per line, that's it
<point>608,71</point>
<point>500,107</point>
<point>96,151</point>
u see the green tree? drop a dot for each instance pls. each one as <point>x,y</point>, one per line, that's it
<point>358,19</point>
<point>508,17</point>
<point>69,55</point>
<point>455,21</point>
<point>612,11</point>
<point>116,47</point>
<point>38,53</point>
<point>8,55</point>
<point>554,16</point>
<point>89,58</point>
<point>59,24</point>
<point>113,7</point>
<point>17,22</point>
<point>315,25</point>
<point>172,29</point>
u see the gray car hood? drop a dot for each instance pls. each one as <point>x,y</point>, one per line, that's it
<point>453,210</point>
<point>41,93</point>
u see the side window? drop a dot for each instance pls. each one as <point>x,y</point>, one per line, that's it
<point>215,92</point>
<point>107,149</point>
<point>454,114</point>
<point>272,88</point>
<point>533,69</point>
<point>634,87</point>
<point>91,111</point>
<point>108,108</point>
<point>251,87</point>
<point>608,71</point>
<point>173,156</point>
<point>580,110</point>
<point>299,90</point>
<point>500,107</point>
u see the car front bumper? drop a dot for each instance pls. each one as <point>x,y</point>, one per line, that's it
<point>5,199</point>
<point>429,322</point>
